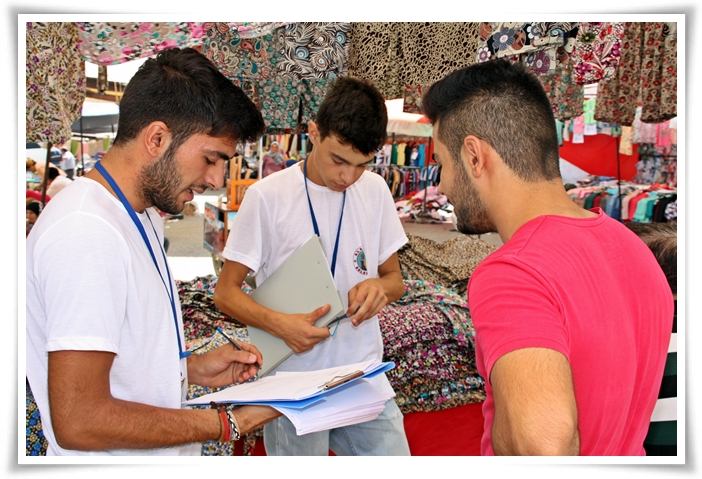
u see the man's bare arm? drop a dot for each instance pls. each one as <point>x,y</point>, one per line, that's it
<point>87,417</point>
<point>535,410</point>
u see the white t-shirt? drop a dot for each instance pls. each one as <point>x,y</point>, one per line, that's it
<point>58,184</point>
<point>274,221</point>
<point>108,296</point>
<point>68,161</point>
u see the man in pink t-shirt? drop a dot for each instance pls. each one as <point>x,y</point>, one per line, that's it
<point>572,314</point>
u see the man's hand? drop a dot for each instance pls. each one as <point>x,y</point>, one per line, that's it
<point>366,299</point>
<point>298,330</point>
<point>224,366</point>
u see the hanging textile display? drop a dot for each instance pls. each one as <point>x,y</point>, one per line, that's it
<point>646,74</point>
<point>236,57</point>
<point>566,97</point>
<point>597,51</point>
<point>55,81</point>
<point>373,56</point>
<point>310,50</point>
<point>112,43</point>
<point>542,45</point>
<point>659,72</point>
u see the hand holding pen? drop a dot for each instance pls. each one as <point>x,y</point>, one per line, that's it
<point>236,345</point>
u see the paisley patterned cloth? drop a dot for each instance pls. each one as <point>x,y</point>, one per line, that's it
<point>236,57</point>
<point>597,51</point>
<point>55,81</point>
<point>111,43</point>
<point>313,50</point>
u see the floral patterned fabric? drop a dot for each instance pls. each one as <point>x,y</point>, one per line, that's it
<point>542,45</point>
<point>112,43</point>
<point>647,73</point>
<point>429,335</point>
<point>36,442</point>
<point>236,57</point>
<point>313,50</point>
<point>597,51</point>
<point>566,97</point>
<point>55,81</point>
<point>659,72</point>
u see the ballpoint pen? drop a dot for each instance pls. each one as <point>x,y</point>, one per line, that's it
<point>234,343</point>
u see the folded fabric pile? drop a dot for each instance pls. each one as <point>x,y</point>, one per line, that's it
<point>448,264</point>
<point>429,336</point>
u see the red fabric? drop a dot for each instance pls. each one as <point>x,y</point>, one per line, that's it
<point>590,289</point>
<point>451,432</point>
<point>598,156</point>
<point>36,195</point>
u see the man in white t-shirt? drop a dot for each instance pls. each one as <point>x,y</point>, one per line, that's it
<point>106,355</point>
<point>279,214</point>
<point>68,162</point>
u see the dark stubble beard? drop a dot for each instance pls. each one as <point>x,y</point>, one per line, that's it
<point>160,183</point>
<point>471,215</point>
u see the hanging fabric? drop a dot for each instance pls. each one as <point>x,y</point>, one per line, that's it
<point>313,50</point>
<point>112,43</point>
<point>55,81</point>
<point>597,51</point>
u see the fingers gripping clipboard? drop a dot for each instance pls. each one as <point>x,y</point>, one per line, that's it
<point>301,284</point>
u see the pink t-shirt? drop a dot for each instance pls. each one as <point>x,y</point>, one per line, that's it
<point>592,290</point>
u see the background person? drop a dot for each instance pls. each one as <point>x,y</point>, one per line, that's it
<point>56,182</point>
<point>662,436</point>
<point>358,225</point>
<point>572,314</point>
<point>273,160</point>
<point>68,162</point>
<point>105,348</point>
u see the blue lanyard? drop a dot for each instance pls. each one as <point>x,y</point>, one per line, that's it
<point>314,220</point>
<point>132,214</point>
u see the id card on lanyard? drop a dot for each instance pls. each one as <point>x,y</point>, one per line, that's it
<point>182,355</point>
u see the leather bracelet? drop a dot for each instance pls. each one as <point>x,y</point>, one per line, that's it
<point>229,427</point>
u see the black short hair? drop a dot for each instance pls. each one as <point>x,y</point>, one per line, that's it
<point>354,111</point>
<point>504,105</point>
<point>53,173</point>
<point>662,240</point>
<point>184,89</point>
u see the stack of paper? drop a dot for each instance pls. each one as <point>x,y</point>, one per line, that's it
<point>313,400</point>
<point>357,403</point>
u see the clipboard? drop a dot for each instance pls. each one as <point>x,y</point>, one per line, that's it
<point>294,389</point>
<point>301,284</point>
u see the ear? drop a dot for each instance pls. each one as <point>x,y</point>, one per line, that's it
<point>313,132</point>
<point>473,156</point>
<point>157,138</point>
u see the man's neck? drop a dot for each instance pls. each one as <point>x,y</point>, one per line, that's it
<point>527,201</point>
<point>123,174</point>
<point>312,174</point>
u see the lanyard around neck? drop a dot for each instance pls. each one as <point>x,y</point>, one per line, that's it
<point>132,214</point>
<point>314,219</point>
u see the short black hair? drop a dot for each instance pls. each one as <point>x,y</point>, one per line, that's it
<point>184,89</point>
<point>503,104</point>
<point>354,111</point>
<point>53,173</point>
<point>662,240</point>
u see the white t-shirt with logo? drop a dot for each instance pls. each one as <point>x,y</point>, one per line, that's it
<point>107,296</point>
<point>274,221</point>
